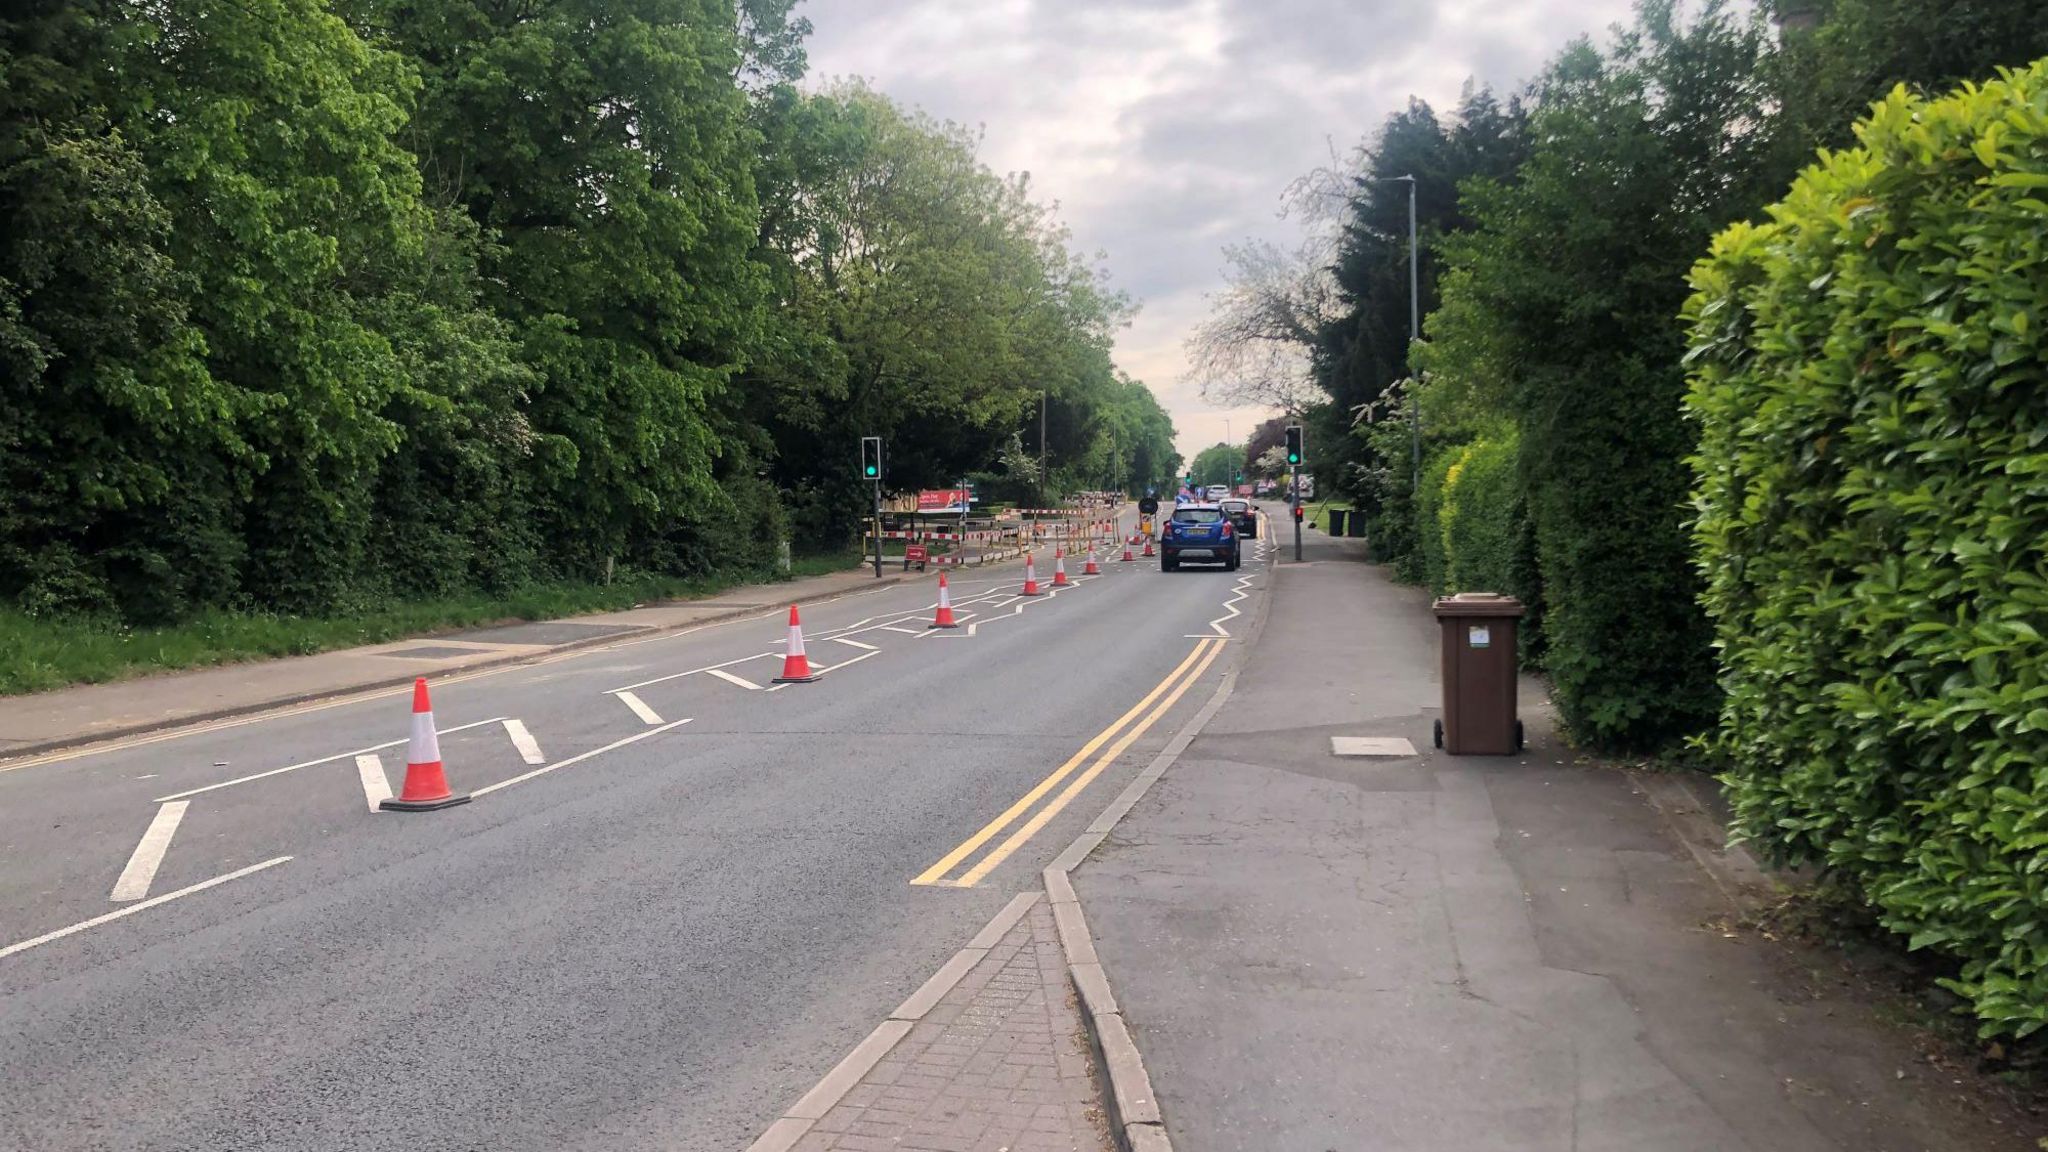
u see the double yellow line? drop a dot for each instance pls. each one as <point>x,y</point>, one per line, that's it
<point>1160,700</point>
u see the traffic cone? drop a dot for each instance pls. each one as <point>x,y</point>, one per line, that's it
<point>1059,568</point>
<point>796,667</point>
<point>1148,548</point>
<point>1030,576</point>
<point>1090,568</point>
<point>426,785</point>
<point>1127,552</point>
<point>944,618</point>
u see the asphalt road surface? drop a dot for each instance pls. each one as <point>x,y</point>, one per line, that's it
<point>680,896</point>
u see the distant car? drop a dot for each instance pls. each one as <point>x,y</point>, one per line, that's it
<point>1243,515</point>
<point>1199,532</point>
<point>1216,492</point>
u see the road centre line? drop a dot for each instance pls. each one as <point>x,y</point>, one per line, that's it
<point>130,910</point>
<point>529,748</point>
<point>578,758</point>
<point>729,678</point>
<point>322,760</point>
<point>149,853</point>
<point>638,706</point>
<point>946,863</point>
<point>376,785</point>
<point>1074,788</point>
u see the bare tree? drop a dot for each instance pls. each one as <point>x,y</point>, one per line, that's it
<point>1258,344</point>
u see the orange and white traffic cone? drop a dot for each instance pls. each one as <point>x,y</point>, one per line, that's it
<point>944,616</point>
<point>1148,548</point>
<point>1127,552</point>
<point>1090,568</point>
<point>796,667</point>
<point>1059,569</point>
<point>1030,576</point>
<point>426,785</point>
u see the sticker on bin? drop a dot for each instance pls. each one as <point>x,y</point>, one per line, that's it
<point>1479,636</point>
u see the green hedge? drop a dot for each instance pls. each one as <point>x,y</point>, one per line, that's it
<point>1868,375</point>
<point>1429,514</point>
<point>1478,518</point>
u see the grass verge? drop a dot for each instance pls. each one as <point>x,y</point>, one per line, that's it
<point>37,655</point>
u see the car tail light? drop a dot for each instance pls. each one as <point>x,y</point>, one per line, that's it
<point>1227,532</point>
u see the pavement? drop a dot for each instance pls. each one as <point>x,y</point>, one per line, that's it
<point>93,712</point>
<point>1415,952</point>
<point>682,896</point>
<point>1001,1062</point>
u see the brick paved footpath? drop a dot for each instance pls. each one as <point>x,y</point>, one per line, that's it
<point>1000,1065</point>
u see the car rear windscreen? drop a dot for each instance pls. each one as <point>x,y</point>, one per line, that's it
<point>1197,515</point>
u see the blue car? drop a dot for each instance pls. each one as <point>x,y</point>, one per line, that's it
<point>1198,532</point>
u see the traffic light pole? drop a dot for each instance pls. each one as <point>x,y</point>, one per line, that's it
<point>878,529</point>
<point>1294,482</point>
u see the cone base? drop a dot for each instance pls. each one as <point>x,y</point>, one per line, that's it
<point>395,804</point>
<point>946,625</point>
<point>794,679</point>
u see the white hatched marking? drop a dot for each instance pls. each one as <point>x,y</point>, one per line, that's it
<point>529,748</point>
<point>376,785</point>
<point>729,678</point>
<point>149,853</point>
<point>639,707</point>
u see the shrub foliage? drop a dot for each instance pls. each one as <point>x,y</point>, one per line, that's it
<point>1869,381</point>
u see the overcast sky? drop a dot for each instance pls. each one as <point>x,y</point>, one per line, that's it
<point>1167,128</point>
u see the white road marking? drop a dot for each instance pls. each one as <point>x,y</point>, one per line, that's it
<point>579,757</point>
<point>376,785</point>
<point>848,663</point>
<point>905,631</point>
<point>529,748</point>
<point>322,760</point>
<point>694,671</point>
<point>638,706</point>
<point>853,643</point>
<point>152,902</point>
<point>149,853</point>
<point>729,678</point>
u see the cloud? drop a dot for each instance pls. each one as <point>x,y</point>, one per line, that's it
<point>1167,128</point>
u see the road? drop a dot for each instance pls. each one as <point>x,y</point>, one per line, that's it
<point>681,895</point>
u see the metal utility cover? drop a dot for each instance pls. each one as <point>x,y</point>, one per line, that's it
<point>1370,746</point>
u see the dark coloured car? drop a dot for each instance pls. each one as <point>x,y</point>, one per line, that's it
<point>1198,533</point>
<point>1243,515</point>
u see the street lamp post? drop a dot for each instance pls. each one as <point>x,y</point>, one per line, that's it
<point>1414,334</point>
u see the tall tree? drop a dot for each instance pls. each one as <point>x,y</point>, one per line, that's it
<point>1639,154</point>
<point>604,146</point>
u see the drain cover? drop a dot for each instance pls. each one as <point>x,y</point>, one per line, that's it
<point>1370,746</point>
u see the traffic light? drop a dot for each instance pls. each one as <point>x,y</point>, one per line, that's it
<point>1293,445</point>
<point>871,457</point>
<point>1237,476</point>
